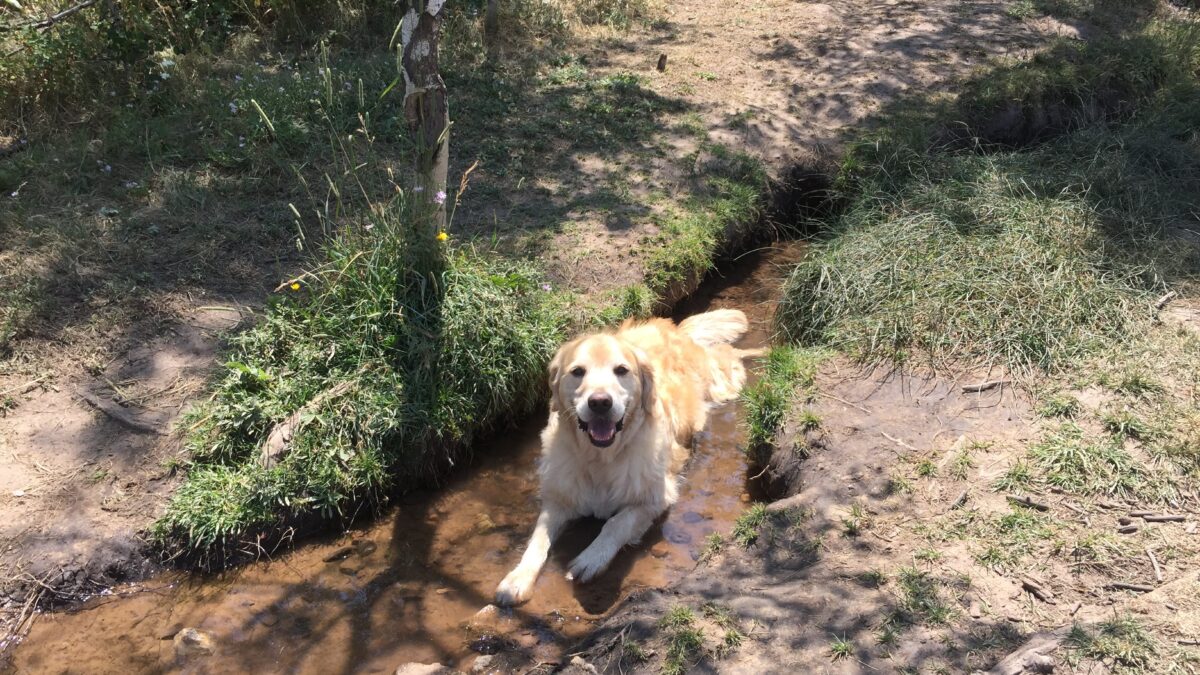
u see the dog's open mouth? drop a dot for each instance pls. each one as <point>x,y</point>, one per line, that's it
<point>602,432</point>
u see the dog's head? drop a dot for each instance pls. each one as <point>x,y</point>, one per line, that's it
<point>604,383</point>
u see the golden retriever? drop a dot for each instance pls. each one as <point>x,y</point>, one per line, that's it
<point>623,408</point>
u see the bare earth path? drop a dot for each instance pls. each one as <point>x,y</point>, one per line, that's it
<point>780,79</point>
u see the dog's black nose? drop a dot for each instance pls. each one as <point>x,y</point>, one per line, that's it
<point>600,402</point>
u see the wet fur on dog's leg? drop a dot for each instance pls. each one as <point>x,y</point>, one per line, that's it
<point>626,527</point>
<point>518,585</point>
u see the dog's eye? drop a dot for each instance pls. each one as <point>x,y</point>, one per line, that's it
<point>621,370</point>
<point>578,371</point>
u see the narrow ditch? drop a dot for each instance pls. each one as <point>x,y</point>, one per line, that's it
<point>411,586</point>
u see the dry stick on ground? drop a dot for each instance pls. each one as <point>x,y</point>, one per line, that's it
<point>1036,590</point>
<point>853,405</point>
<point>1165,518</point>
<point>1027,501</point>
<point>281,436</point>
<point>1034,655</point>
<point>1127,529</point>
<point>984,386</point>
<point>960,500</point>
<point>899,442</point>
<point>1154,561</point>
<point>1122,586</point>
<point>21,389</point>
<point>51,20</point>
<point>1162,302</point>
<point>119,414</point>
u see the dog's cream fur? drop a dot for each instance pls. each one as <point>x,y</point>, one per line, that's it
<point>660,380</point>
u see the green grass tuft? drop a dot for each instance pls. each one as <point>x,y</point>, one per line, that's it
<point>349,330</point>
<point>746,528</point>
<point>684,640</point>
<point>787,373</point>
<point>1122,641</point>
<point>1030,260</point>
<point>1070,460</point>
<point>1059,405</point>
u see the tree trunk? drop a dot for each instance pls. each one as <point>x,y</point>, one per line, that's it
<point>425,107</point>
<point>491,29</point>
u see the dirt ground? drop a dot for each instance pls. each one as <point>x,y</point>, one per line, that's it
<point>869,535</point>
<point>86,443</point>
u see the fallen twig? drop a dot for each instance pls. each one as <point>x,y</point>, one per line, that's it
<point>1127,529</point>
<point>1154,561</point>
<point>51,20</point>
<point>899,442</point>
<point>960,500</point>
<point>1162,302</point>
<point>1036,590</point>
<point>853,405</point>
<point>984,386</point>
<point>1122,586</point>
<point>280,438</point>
<point>1027,501</point>
<point>21,389</point>
<point>1165,518</point>
<point>119,414</point>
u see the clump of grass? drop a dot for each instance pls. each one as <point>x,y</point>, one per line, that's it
<point>1122,641</point>
<point>746,527</point>
<point>353,330</point>
<point>1059,405</point>
<point>1012,536</point>
<point>926,468</point>
<point>899,485</point>
<point>840,648</point>
<point>961,465</point>
<point>732,636</point>
<point>1067,458</point>
<point>928,555</point>
<point>872,578</point>
<point>684,640</point>
<point>725,209</point>
<point>920,599</point>
<point>1131,381</point>
<point>787,373</point>
<point>1018,476</point>
<point>856,521</point>
<point>713,545</point>
<point>1031,260</point>
<point>1126,423</point>
<point>632,652</point>
<point>809,420</point>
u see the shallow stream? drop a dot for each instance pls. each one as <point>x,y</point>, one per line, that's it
<point>410,586</point>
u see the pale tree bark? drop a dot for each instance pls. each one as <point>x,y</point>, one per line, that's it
<point>425,106</point>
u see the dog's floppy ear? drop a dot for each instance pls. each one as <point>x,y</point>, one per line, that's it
<point>649,389</point>
<point>555,373</point>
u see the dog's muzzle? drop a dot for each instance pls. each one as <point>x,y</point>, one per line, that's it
<point>602,432</point>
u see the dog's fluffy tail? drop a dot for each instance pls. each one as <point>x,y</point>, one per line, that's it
<point>718,327</point>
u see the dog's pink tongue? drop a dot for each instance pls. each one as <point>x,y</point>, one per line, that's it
<point>602,430</point>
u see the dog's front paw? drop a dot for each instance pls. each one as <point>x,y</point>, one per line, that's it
<point>587,566</point>
<point>516,587</point>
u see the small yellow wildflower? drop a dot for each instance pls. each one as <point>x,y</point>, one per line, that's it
<point>442,236</point>
<point>295,285</point>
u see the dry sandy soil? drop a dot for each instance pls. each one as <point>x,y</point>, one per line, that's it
<point>85,434</point>
<point>812,580</point>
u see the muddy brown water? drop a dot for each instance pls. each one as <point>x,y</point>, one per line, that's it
<point>411,586</point>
